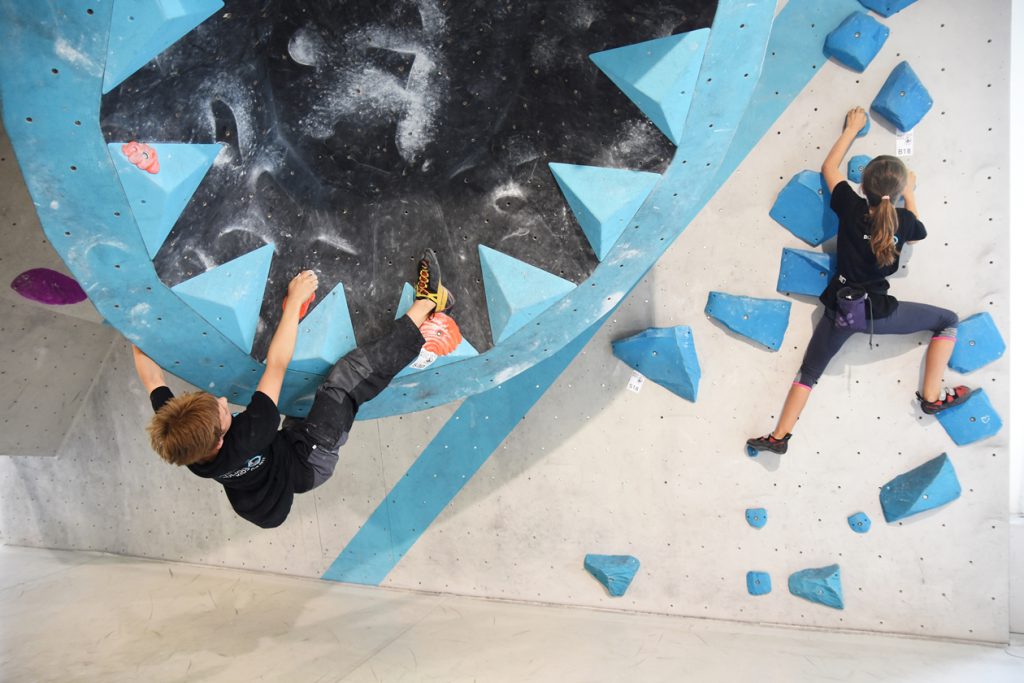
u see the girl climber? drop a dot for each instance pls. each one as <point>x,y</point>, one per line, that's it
<point>871,235</point>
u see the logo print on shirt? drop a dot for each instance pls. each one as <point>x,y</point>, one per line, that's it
<point>250,464</point>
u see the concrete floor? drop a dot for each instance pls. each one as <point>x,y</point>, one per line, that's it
<point>78,616</point>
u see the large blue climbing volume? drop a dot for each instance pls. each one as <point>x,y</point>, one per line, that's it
<point>157,199</point>
<point>978,343</point>
<point>973,420</point>
<point>925,487</point>
<point>325,334</point>
<point>762,320</point>
<point>663,355</point>
<point>142,29</point>
<point>659,76</point>
<point>615,572</point>
<point>856,41</point>
<point>804,272</point>
<point>903,99</point>
<point>821,585</point>
<point>516,292</point>
<point>229,296</point>
<point>887,8</point>
<point>802,207</point>
<point>603,199</point>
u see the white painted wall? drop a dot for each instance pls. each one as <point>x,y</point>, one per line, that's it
<point>1017,321</point>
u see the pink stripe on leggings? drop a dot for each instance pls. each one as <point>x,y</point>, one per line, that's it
<point>800,384</point>
<point>944,337</point>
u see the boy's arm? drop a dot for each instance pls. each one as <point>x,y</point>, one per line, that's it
<point>282,345</point>
<point>855,120</point>
<point>148,371</point>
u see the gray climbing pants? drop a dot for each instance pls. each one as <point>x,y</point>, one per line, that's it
<point>909,317</point>
<point>355,379</point>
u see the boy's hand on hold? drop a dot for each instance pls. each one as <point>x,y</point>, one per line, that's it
<point>302,286</point>
<point>856,118</point>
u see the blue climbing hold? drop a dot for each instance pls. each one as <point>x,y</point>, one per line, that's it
<point>659,76</point>
<point>903,99</point>
<point>802,207</point>
<point>859,522</point>
<point>978,343</point>
<point>516,292</point>
<point>615,572</point>
<point>230,295</point>
<point>804,272</point>
<point>141,30</point>
<point>856,41</point>
<point>405,301</point>
<point>157,199</point>
<point>325,334</point>
<point>762,320</point>
<point>759,583</point>
<point>757,517</point>
<point>603,199</point>
<point>821,585</point>
<point>925,487</point>
<point>866,128</point>
<point>663,355</point>
<point>973,420</point>
<point>855,169</point>
<point>887,8</point>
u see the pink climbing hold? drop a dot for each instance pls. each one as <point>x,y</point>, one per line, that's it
<point>141,155</point>
<point>48,287</point>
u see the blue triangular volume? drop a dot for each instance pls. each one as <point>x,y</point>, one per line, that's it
<point>325,334</point>
<point>659,76</point>
<point>762,320</point>
<point>230,295</point>
<point>142,29</point>
<point>516,292</point>
<point>603,199</point>
<point>157,199</point>
<point>804,272</point>
<point>664,355</point>
<point>405,301</point>
<point>821,584</point>
<point>615,572</point>
<point>925,487</point>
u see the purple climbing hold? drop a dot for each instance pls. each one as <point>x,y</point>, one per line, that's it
<point>48,287</point>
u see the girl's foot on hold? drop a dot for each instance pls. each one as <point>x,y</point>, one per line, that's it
<point>767,443</point>
<point>428,283</point>
<point>951,398</point>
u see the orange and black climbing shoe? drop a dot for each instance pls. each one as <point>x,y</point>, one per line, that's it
<point>951,398</point>
<point>428,283</point>
<point>767,443</point>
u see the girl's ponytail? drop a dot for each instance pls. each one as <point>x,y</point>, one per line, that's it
<point>883,230</point>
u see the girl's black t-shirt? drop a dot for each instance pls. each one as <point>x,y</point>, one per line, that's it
<point>855,260</point>
<point>255,464</point>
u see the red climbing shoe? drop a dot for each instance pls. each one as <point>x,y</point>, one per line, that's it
<point>951,398</point>
<point>767,443</point>
<point>428,283</point>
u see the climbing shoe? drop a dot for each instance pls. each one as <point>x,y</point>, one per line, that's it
<point>428,283</point>
<point>767,443</point>
<point>951,398</point>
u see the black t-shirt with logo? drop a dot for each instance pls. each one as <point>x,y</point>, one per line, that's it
<point>855,260</point>
<point>255,464</point>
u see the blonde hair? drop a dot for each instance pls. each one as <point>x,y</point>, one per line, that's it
<point>186,429</point>
<point>885,178</point>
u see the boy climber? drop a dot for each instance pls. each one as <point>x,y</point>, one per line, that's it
<point>260,467</point>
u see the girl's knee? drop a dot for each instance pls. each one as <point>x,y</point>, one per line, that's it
<point>948,323</point>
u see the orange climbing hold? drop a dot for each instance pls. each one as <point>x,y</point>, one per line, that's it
<point>442,334</point>
<point>142,155</point>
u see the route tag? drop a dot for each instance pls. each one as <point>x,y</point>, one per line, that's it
<point>636,382</point>
<point>424,360</point>
<point>905,144</point>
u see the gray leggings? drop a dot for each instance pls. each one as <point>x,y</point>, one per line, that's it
<point>909,317</point>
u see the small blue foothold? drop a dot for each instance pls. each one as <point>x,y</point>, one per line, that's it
<point>757,517</point>
<point>855,169</point>
<point>663,355</point>
<point>973,420</point>
<point>903,99</point>
<point>859,522</point>
<point>615,572</point>
<point>802,207</point>
<point>925,487</point>
<point>804,272</point>
<point>978,343</point>
<point>751,452</point>
<point>762,320</point>
<point>887,8</point>
<point>856,41</point>
<point>759,583</point>
<point>821,585</point>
